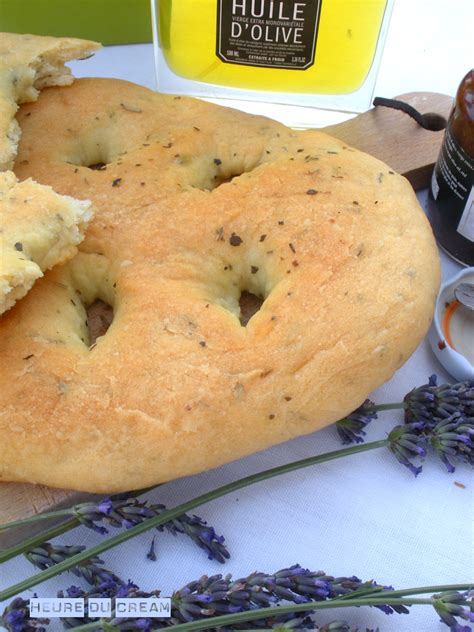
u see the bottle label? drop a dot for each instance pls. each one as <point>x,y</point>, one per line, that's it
<point>269,33</point>
<point>452,185</point>
<point>466,224</point>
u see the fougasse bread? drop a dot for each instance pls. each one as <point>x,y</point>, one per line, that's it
<point>38,229</point>
<point>196,205</point>
<point>29,63</point>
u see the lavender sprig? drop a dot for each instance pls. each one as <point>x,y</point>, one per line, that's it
<point>451,605</point>
<point>117,511</point>
<point>218,595</point>
<point>284,600</point>
<point>91,570</point>
<point>351,428</point>
<point>440,417</point>
<point>453,437</point>
<point>419,403</point>
<point>199,532</point>
<point>407,444</point>
<point>430,402</point>
<point>126,511</point>
<point>16,618</point>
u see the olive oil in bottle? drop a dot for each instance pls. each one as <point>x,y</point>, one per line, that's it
<point>256,49</point>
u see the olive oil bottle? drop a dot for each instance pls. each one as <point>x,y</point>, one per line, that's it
<point>304,52</point>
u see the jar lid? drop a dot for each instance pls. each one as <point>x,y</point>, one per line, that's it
<point>452,332</point>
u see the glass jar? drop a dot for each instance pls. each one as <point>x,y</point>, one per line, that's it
<point>311,52</point>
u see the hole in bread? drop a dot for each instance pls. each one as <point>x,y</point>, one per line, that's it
<point>225,179</point>
<point>94,149</point>
<point>223,171</point>
<point>92,296</point>
<point>99,318</point>
<point>249,304</point>
<point>97,166</point>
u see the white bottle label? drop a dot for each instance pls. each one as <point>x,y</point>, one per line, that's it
<point>466,223</point>
<point>269,33</point>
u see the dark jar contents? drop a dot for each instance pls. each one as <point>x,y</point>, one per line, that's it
<point>451,198</point>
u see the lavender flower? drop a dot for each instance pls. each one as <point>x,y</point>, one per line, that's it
<point>16,618</point>
<point>221,595</point>
<point>439,416</point>
<point>125,511</point>
<point>420,402</point>
<point>199,532</point>
<point>151,555</point>
<point>216,595</point>
<point>407,444</point>
<point>351,428</point>
<point>429,403</point>
<point>118,511</point>
<point>453,438</point>
<point>111,589</point>
<point>452,398</point>
<point>454,604</point>
<point>48,555</point>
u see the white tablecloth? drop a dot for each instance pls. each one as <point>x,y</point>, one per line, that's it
<point>364,515</point>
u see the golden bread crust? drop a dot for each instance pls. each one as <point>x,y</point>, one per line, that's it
<point>28,63</point>
<point>333,240</point>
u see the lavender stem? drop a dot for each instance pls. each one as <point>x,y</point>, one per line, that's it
<point>390,406</point>
<point>43,516</point>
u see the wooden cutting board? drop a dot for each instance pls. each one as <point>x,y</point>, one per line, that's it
<point>385,133</point>
<point>395,138</point>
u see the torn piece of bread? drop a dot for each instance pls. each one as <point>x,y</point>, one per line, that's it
<point>38,229</point>
<point>27,64</point>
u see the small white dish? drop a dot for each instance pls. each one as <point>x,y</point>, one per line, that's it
<point>452,332</point>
